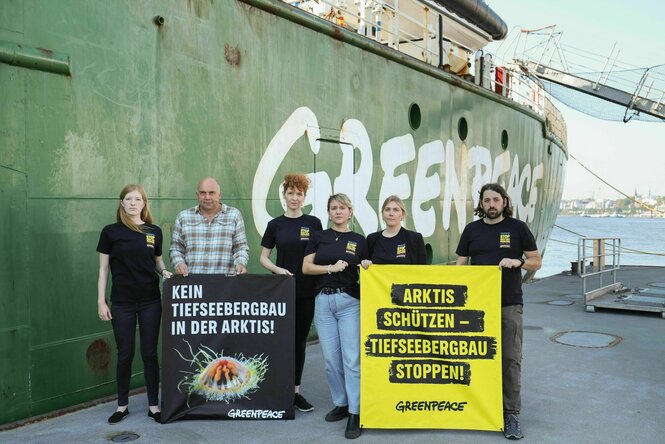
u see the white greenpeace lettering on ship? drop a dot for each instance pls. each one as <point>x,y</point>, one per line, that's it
<point>426,188</point>
<point>480,159</point>
<point>465,171</point>
<point>356,185</point>
<point>395,152</point>
<point>536,175</point>
<point>501,167</point>
<point>454,191</point>
<point>301,122</point>
<point>517,182</point>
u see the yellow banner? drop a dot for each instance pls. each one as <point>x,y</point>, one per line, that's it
<point>430,347</point>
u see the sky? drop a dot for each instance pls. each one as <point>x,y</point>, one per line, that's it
<point>630,156</point>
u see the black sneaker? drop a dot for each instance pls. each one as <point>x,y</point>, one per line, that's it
<point>511,426</point>
<point>157,416</point>
<point>301,403</point>
<point>337,414</point>
<point>116,417</point>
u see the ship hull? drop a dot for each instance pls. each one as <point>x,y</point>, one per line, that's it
<point>241,91</point>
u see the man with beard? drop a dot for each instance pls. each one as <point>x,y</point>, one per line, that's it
<point>498,238</point>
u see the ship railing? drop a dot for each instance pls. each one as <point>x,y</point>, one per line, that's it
<point>601,258</point>
<point>408,26</point>
<point>425,31</point>
<point>516,83</point>
<point>513,82</point>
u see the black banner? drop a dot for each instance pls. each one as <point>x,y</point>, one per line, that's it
<point>228,347</point>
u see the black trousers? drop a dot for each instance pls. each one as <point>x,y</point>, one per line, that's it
<point>304,316</point>
<point>124,319</point>
<point>511,353</point>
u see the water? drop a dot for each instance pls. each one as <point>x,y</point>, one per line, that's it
<point>644,234</point>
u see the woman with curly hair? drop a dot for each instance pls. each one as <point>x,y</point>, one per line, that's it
<point>289,234</point>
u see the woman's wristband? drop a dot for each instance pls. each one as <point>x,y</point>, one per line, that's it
<point>329,269</point>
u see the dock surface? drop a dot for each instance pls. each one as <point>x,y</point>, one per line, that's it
<point>590,392</point>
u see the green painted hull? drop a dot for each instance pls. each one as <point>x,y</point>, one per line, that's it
<point>95,95</point>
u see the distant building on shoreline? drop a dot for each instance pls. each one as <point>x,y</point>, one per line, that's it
<point>637,206</point>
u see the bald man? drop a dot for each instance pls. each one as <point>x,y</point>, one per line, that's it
<point>210,237</point>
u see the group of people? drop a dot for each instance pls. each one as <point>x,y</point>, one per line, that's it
<point>210,239</point>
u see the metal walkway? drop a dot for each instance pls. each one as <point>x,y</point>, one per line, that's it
<point>632,101</point>
<point>565,71</point>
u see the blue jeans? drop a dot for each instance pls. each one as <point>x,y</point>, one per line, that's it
<point>124,318</point>
<point>338,324</point>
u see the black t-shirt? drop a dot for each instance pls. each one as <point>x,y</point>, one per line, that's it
<point>405,248</point>
<point>331,246</point>
<point>290,236</point>
<point>487,244</point>
<point>132,261</point>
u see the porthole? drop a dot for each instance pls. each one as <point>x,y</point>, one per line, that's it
<point>504,139</point>
<point>414,116</point>
<point>462,128</point>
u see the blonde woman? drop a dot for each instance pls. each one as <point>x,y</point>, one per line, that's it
<point>333,255</point>
<point>395,244</point>
<point>289,234</point>
<point>132,249</point>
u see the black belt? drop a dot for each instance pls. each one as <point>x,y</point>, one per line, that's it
<point>333,290</point>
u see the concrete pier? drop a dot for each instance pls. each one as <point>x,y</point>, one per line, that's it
<point>577,387</point>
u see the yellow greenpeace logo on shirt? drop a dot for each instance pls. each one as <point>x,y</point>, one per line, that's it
<point>351,247</point>
<point>150,240</point>
<point>304,233</point>
<point>504,240</point>
<point>401,250</point>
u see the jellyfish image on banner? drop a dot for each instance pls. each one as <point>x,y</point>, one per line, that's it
<point>222,378</point>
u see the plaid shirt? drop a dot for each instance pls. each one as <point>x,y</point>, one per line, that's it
<point>214,247</point>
